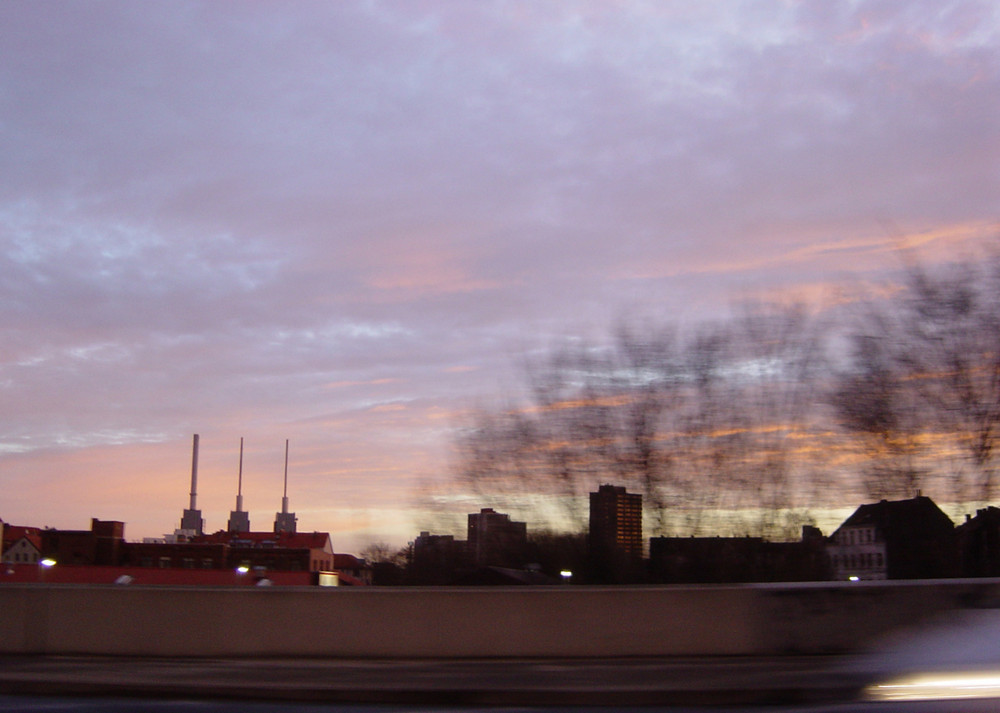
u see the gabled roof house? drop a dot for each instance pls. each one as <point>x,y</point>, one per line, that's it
<point>899,539</point>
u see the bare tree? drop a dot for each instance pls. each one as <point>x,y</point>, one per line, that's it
<point>384,553</point>
<point>753,383</point>
<point>951,320</point>
<point>730,418</point>
<point>923,379</point>
<point>875,403</point>
<point>696,427</point>
<point>594,414</point>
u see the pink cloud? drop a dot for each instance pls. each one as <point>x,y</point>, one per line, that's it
<point>341,223</point>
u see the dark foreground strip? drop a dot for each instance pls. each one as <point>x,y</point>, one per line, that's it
<point>709,681</point>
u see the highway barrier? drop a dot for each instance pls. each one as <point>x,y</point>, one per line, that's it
<point>464,622</point>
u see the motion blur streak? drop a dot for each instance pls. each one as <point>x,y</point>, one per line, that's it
<point>938,686</point>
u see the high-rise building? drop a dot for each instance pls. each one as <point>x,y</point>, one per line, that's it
<point>615,522</point>
<point>496,540</point>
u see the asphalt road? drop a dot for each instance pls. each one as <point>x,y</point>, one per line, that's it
<point>789,684</point>
<point>706,681</point>
<point>37,704</point>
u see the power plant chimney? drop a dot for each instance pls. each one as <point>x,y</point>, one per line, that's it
<point>284,521</point>
<point>194,474</point>
<point>239,521</point>
<point>192,523</point>
<point>239,480</point>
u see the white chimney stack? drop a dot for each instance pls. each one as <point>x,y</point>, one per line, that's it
<point>285,521</point>
<point>194,474</point>
<point>192,523</point>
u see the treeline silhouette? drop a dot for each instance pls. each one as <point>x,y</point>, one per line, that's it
<point>746,424</point>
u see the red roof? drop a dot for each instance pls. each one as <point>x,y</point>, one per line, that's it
<point>138,576</point>
<point>13,533</point>
<point>347,580</point>
<point>298,540</point>
<point>346,562</point>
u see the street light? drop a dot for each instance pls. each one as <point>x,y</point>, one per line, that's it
<point>43,566</point>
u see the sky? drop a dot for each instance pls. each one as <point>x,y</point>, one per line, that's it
<point>343,224</point>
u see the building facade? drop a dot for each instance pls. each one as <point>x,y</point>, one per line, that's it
<point>100,545</point>
<point>21,545</point>
<point>674,560</point>
<point>979,543</point>
<point>616,520</point>
<point>901,539</point>
<point>615,535</point>
<point>496,540</point>
<point>280,551</point>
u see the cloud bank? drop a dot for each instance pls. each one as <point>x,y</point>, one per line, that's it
<point>339,222</point>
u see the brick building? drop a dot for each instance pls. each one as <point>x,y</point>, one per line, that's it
<point>737,559</point>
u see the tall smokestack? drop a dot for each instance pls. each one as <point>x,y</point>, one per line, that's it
<point>284,493</point>
<point>192,523</point>
<point>239,482</point>
<point>239,521</point>
<point>285,521</point>
<point>194,474</point>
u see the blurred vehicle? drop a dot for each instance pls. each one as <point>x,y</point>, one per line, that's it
<point>956,656</point>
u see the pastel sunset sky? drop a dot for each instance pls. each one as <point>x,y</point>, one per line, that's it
<point>344,223</point>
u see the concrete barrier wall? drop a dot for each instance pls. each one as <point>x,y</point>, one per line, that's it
<point>562,621</point>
